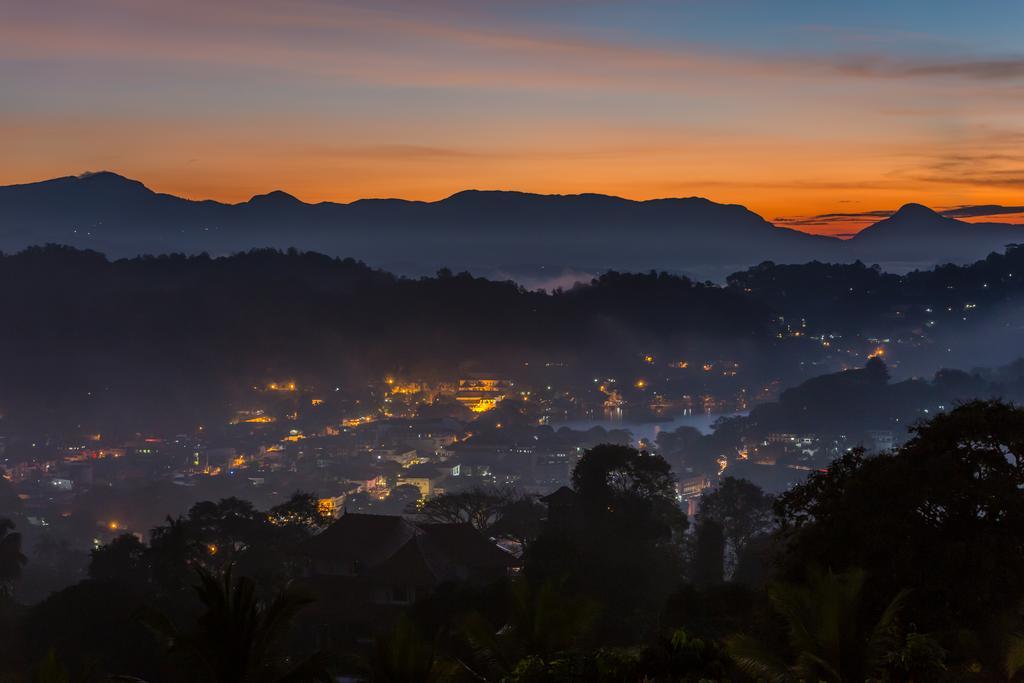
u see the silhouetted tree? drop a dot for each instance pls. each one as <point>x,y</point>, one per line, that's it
<point>238,636</point>
<point>125,559</point>
<point>480,507</point>
<point>89,630</point>
<point>11,558</point>
<point>174,552</point>
<point>301,510</point>
<point>626,549</point>
<point>742,511</point>
<point>521,521</point>
<point>622,488</point>
<point>944,514</point>
<point>405,654</point>
<point>708,561</point>
<point>544,621</point>
<point>829,640</point>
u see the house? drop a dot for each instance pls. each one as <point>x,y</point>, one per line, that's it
<point>563,507</point>
<point>364,568</point>
<point>426,477</point>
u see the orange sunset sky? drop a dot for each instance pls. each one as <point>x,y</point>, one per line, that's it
<point>794,109</point>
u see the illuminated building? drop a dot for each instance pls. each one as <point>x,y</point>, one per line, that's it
<point>690,490</point>
<point>482,395</point>
<point>330,507</point>
<point>426,478</point>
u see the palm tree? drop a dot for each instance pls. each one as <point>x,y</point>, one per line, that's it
<point>829,641</point>
<point>238,637</point>
<point>11,558</point>
<point>404,655</point>
<point>544,622</point>
<point>1014,661</point>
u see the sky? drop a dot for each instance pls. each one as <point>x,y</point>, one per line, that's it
<point>816,114</point>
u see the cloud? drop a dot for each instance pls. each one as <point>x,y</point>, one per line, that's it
<point>397,152</point>
<point>864,217</point>
<point>402,45</point>
<point>979,158</point>
<point>978,210</point>
<point>831,219</point>
<point>1010,68</point>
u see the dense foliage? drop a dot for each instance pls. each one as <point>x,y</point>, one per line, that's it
<point>167,342</point>
<point>902,566</point>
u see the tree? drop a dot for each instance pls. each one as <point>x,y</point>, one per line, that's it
<point>629,489</point>
<point>174,551</point>
<point>227,527</point>
<point>625,549</point>
<point>480,507</point>
<point>708,562</point>
<point>828,638</point>
<point>520,521</point>
<point>125,559</point>
<point>544,621</point>
<point>11,558</point>
<point>238,636</point>
<point>50,670</point>
<point>301,510</point>
<point>215,535</point>
<point>742,510</point>
<point>404,654</point>
<point>944,514</point>
<point>876,372</point>
<point>54,558</point>
<point>9,501</point>
<point>494,511</point>
<point>91,630</point>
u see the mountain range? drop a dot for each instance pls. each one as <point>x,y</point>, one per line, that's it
<point>122,217</point>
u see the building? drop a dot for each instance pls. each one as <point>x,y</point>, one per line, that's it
<point>482,394</point>
<point>427,478</point>
<point>366,568</point>
<point>563,508</point>
<point>690,491</point>
<point>880,440</point>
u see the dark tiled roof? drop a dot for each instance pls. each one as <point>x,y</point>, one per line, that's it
<point>564,495</point>
<point>392,548</point>
<point>462,544</point>
<point>407,567</point>
<point>424,470</point>
<point>367,539</point>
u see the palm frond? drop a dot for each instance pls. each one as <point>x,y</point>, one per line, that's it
<point>756,660</point>
<point>1014,660</point>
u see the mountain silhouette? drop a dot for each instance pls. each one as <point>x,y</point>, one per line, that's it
<point>474,228</point>
<point>916,233</point>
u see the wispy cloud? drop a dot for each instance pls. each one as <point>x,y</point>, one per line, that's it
<point>396,152</point>
<point>834,219</point>
<point>1009,68</point>
<point>862,218</point>
<point>981,210</point>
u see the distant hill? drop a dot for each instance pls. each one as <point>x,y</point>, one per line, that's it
<point>164,342</point>
<point>916,233</point>
<point>122,217</point>
<point>471,229</point>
